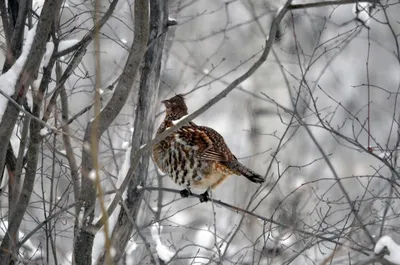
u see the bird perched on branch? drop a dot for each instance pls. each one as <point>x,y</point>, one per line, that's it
<point>195,156</point>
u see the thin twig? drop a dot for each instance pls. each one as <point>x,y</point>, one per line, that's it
<point>264,219</point>
<point>135,158</point>
<point>328,3</point>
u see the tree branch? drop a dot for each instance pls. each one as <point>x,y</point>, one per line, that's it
<point>6,25</point>
<point>236,209</point>
<point>67,140</point>
<point>50,10</point>
<point>144,123</point>
<point>79,53</point>
<point>138,153</point>
<point>329,3</point>
<point>16,41</point>
<point>84,242</point>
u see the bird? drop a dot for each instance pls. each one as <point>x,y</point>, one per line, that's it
<point>195,156</point>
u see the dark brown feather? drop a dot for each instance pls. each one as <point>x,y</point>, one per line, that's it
<point>195,155</point>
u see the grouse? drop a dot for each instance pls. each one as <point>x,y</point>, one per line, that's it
<point>195,156</point>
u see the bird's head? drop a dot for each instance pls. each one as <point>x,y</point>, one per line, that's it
<point>175,107</point>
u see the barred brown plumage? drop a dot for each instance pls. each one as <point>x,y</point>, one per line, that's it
<point>195,156</point>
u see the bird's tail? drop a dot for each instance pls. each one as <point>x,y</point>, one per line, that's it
<point>246,172</point>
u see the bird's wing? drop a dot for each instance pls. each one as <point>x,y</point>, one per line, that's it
<point>208,144</point>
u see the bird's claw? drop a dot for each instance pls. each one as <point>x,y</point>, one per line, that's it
<point>204,197</point>
<point>185,193</point>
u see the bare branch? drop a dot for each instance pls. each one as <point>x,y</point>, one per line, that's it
<point>84,242</point>
<point>329,3</point>
<point>144,121</point>
<point>67,140</point>
<point>50,10</point>
<point>6,25</point>
<point>145,148</point>
<point>28,74</point>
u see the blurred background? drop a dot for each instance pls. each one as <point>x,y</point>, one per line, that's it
<point>319,119</point>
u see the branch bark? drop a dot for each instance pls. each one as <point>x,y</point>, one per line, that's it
<point>80,50</point>
<point>329,3</point>
<point>27,75</point>
<point>17,37</point>
<point>85,236</point>
<point>67,140</point>
<point>6,25</point>
<point>51,9</point>
<point>138,153</point>
<point>144,123</point>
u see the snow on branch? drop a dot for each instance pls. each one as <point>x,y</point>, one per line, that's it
<point>28,249</point>
<point>63,45</point>
<point>362,12</point>
<point>9,79</point>
<point>45,61</point>
<point>392,248</point>
<point>163,251</point>
<point>37,6</point>
<point>66,44</point>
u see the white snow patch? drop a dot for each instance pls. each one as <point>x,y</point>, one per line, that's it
<point>124,41</point>
<point>29,98</point>
<point>126,165</point>
<point>384,155</point>
<point>92,175</point>
<point>113,251</point>
<point>80,217</point>
<point>68,257</point>
<point>206,71</point>
<point>65,44</point>
<point>132,129</point>
<point>37,6</point>
<point>176,122</point>
<point>16,140</point>
<point>361,12</point>
<point>44,131</point>
<point>130,247</point>
<point>28,250</point>
<point>139,187</point>
<point>125,145</point>
<point>279,10</point>
<point>8,80</point>
<point>204,237</point>
<point>44,63</point>
<point>159,171</point>
<point>171,19</point>
<point>222,246</point>
<point>47,55</point>
<point>392,247</point>
<point>163,251</point>
<point>86,146</point>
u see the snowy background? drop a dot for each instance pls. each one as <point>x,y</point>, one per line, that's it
<point>324,59</point>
